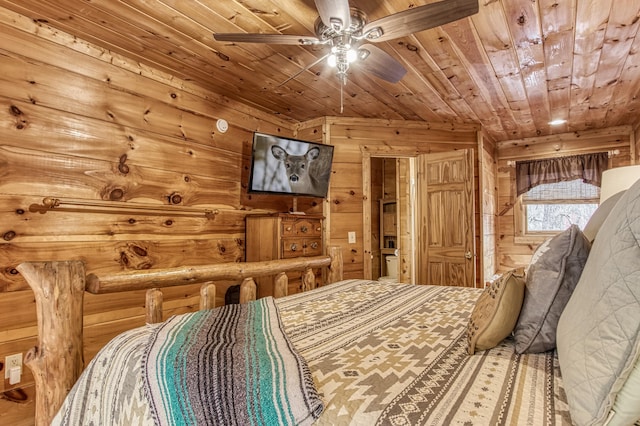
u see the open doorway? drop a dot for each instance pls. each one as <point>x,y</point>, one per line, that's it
<point>390,207</point>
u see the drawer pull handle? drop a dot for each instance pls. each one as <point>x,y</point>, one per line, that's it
<point>304,229</point>
<point>294,247</point>
<point>314,245</point>
<point>288,228</point>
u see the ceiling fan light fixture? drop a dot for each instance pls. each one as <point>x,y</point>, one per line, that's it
<point>332,60</point>
<point>352,56</point>
<point>557,122</point>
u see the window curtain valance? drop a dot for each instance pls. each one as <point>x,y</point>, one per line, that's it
<point>588,167</point>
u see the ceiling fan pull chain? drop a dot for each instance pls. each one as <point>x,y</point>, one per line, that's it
<point>341,97</point>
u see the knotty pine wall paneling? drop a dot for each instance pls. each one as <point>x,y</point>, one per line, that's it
<point>81,123</point>
<point>351,136</point>
<point>510,253</point>
<point>488,190</point>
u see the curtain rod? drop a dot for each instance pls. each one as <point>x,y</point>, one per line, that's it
<point>610,153</point>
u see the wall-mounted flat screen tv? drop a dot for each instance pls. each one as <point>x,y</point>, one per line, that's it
<point>289,166</point>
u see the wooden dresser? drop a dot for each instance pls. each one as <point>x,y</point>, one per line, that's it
<point>282,236</point>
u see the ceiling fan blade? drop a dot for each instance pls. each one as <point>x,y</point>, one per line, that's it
<point>379,63</point>
<point>419,19</point>
<point>334,13</point>
<point>267,38</point>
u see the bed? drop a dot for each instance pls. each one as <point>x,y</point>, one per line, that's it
<point>558,344</point>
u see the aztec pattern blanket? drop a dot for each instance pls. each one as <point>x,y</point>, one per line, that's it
<point>396,354</point>
<point>232,365</point>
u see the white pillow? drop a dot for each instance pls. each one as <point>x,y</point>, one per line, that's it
<point>626,408</point>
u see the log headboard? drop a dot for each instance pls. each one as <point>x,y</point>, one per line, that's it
<point>57,359</point>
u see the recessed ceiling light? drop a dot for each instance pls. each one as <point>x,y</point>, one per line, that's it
<point>557,122</point>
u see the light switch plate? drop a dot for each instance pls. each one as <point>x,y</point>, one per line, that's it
<point>352,237</point>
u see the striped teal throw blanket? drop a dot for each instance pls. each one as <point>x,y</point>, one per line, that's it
<point>228,366</point>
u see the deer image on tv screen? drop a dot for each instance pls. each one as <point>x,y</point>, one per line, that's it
<point>291,166</point>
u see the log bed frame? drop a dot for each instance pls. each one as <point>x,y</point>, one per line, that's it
<point>57,359</point>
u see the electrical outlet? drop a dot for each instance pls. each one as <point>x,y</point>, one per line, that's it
<point>10,362</point>
<point>352,237</point>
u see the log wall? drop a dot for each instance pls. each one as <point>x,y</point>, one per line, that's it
<point>152,181</point>
<point>510,253</point>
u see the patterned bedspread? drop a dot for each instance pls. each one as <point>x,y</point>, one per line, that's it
<point>388,354</point>
<point>394,354</point>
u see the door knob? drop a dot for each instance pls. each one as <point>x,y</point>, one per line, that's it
<point>467,255</point>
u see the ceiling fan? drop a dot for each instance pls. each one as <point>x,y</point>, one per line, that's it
<point>346,30</point>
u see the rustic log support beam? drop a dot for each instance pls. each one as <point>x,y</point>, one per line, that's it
<point>281,285</point>
<point>143,280</point>
<point>248,290</point>
<point>207,296</point>
<point>308,280</point>
<point>57,360</point>
<point>336,267</point>
<point>153,306</point>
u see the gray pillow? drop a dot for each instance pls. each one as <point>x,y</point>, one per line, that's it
<point>552,275</point>
<point>599,331</point>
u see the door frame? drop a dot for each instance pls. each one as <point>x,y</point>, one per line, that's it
<point>385,152</point>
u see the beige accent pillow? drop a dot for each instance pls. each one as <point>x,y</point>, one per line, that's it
<point>495,314</point>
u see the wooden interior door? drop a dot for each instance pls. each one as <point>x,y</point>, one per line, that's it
<point>446,243</point>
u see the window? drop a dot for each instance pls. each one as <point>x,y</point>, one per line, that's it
<point>553,207</point>
<point>554,193</point>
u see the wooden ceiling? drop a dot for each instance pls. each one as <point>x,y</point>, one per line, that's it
<point>512,67</point>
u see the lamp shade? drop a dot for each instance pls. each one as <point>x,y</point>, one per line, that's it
<point>618,179</point>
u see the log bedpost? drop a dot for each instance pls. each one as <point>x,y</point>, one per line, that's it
<point>308,280</point>
<point>336,267</point>
<point>57,360</point>
<point>207,296</point>
<point>281,285</point>
<point>153,306</point>
<point>248,290</point>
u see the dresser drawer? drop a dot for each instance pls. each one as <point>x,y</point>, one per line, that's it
<point>301,227</point>
<point>308,227</point>
<point>297,247</point>
<point>292,247</point>
<point>313,247</point>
